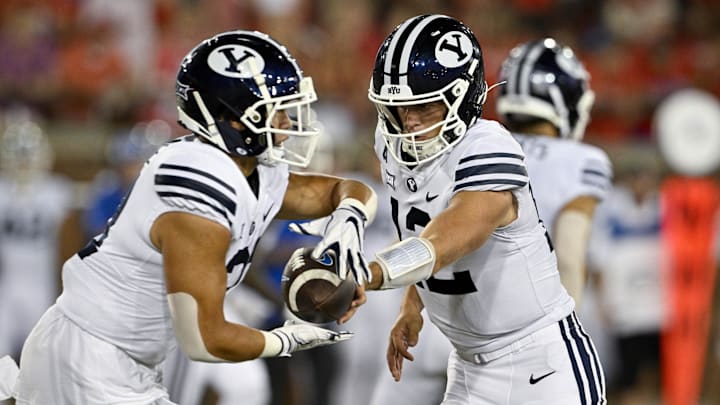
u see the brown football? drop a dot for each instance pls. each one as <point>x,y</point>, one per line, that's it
<point>312,289</point>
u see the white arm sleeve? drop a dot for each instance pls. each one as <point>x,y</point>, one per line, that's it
<point>572,230</point>
<point>184,313</point>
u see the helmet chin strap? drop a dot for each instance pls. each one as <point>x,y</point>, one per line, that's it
<point>212,131</point>
<point>421,150</point>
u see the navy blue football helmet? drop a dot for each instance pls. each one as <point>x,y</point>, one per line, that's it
<point>545,80</point>
<point>428,58</point>
<point>247,77</point>
<point>25,151</point>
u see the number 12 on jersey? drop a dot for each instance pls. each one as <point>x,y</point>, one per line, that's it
<point>461,283</point>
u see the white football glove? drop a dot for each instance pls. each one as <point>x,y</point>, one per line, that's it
<point>293,337</point>
<point>343,232</point>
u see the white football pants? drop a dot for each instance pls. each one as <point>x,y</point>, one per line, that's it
<point>555,365</point>
<point>61,364</point>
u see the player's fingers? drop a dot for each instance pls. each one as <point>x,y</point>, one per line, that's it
<point>399,366</point>
<point>319,250</point>
<point>360,296</point>
<point>359,299</point>
<point>344,267</point>
<point>306,228</point>
<point>391,358</point>
<point>403,351</point>
<point>347,315</point>
<point>399,342</point>
<point>358,273</point>
<point>352,266</point>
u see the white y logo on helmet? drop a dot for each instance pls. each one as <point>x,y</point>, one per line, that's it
<point>453,49</point>
<point>232,61</point>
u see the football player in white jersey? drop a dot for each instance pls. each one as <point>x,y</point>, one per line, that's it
<point>34,203</point>
<point>186,232</point>
<point>546,103</point>
<point>473,251</point>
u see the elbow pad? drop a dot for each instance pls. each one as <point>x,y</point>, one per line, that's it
<point>184,313</point>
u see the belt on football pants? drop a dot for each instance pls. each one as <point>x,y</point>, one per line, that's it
<point>484,358</point>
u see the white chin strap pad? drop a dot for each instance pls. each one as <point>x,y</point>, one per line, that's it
<point>406,262</point>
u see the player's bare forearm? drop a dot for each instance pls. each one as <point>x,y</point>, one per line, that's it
<point>377,277</point>
<point>470,228</point>
<point>311,196</point>
<point>194,250</point>
<point>471,218</point>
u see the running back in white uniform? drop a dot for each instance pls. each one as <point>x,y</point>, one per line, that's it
<point>94,324</point>
<point>562,170</point>
<point>188,176</point>
<point>246,96</point>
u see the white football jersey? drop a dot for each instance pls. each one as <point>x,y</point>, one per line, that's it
<point>31,214</point>
<point>30,217</point>
<point>562,170</point>
<point>115,287</point>
<point>509,287</point>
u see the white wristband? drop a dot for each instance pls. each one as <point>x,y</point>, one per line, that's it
<point>369,208</point>
<point>406,262</point>
<point>273,345</point>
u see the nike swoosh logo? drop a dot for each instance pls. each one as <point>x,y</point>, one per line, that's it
<point>534,381</point>
<point>429,197</point>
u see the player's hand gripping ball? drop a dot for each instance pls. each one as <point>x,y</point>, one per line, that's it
<point>312,289</point>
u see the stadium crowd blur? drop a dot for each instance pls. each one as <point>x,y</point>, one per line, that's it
<point>91,69</point>
<point>107,62</point>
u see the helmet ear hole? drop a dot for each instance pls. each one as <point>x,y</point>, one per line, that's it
<point>458,89</point>
<point>255,116</point>
<point>459,130</point>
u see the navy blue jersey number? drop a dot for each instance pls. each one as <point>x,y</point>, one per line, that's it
<point>461,282</point>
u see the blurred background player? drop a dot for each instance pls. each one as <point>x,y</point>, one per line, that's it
<point>34,203</point>
<point>626,272</point>
<point>126,153</point>
<point>546,102</point>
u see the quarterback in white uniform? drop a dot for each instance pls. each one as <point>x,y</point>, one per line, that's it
<point>186,232</point>
<point>546,102</point>
<point>474,252</point>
